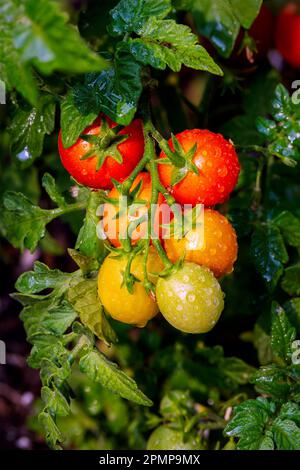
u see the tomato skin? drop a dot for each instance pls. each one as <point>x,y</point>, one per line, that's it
<point>287,35</point>
<point>219,249</point>
<point>190,299</point>
<point>121,223</point>
<point>167,438</point>
<point>218,166</point>
<point>84,171</point>
<point>136,308</point>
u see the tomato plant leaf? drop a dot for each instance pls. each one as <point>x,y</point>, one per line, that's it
<point>291,280</point>
<point>100,369</point>
<point>291,411</point>
<point>55,401</point>
<point>59,318</point>
<point>249,424</point>
<point>246,12</point>
<point>88,241</point>
<point>166,43</point>
<point>37,35</point>
<point>23,223</point>
<point>52,433</point>
<point>48,182</point>
<point>41,278</point>
<point>271,380</point>
<point>282,333</point>
<point>28,128</point>
<point>215,19</point>
<point>286,434</point>
<point>78,111</point>
<point>269,253</point>
<point>129,15</point>
<point>83,296</point>
<point>292,309</point>
<point>290,227</point>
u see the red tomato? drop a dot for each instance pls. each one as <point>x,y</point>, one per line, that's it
<point>287,36</point>
<point>218,167</point>
<point>84,170</point>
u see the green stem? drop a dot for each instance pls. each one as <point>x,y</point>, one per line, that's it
<point>126,186</point>
<point>70,208</point>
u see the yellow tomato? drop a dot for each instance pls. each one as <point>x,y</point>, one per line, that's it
<point>136,308</point>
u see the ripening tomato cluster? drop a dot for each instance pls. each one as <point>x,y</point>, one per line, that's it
<point>190,297</point>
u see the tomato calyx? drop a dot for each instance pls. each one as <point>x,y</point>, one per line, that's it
<point>105,144</point>
<point>180,159</point>
<point>248,45</point>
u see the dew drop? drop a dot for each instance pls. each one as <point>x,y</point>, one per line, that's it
<point>222,171</point>
<point>191,298</point>
<point>179,308</point>
<point>186,278</point>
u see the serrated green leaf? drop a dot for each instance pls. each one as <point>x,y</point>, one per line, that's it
<point>13,72</point>
<point>292,308</point>
<point>28,128</point>
<point>291,280</point>
<point>59,318</point>
<point>88,241</point>
<point>215,19</point>
<point>286,434</point>
<point>236,369</point>
<point>46,40</point>
<point>99,369</point>
<point>51,371</point>
<point>115,91</point>
<point>262,342</point>
<point>269,253</point>
<point>52,433</point>
<point>290,227</point>
<point>249,424</point>
<point>48,183</point>
<point>22,222</point>
<point>166,43</point>
<point>41,278</point>
<point>37,34</point>
<point>85,263</point>
<point>130,15</point>
<point>45,346</point>
<point>290,411</point>
<point>79,109</point>
<point>271,380</point>
<point>84,298</point>
<point>282,333</point>
<point>246,12</point>
<point>55,401</point>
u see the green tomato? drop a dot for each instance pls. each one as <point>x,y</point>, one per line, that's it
<point>166,438</point>
<point>190,299</point>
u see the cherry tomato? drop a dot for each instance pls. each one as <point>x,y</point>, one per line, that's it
<point>167,438</point>
<point>109,148</point>
<point>190,299</point>
<point>287,35</point>
<point>214,245</point>
<point>115,225</point>
<point>136,308</point>
<point>218,169</point>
